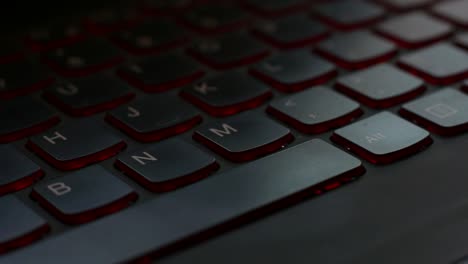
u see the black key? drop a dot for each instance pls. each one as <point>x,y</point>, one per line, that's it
<point>104,21</point>
<point>42,39</point>
<point>461,40</point>
<point>83,58</point>
<point>224,52</point>
<point>23,117</point>
<point>454,11</point>
<point>18,171</point>
<point>76,145</point>
<point>84,195</point>
<point>293,71</point>
<point>154,118</point>
<point>349,14</point>
<point>214,18</point>
<point>291,31</point>
<point>21,225</point>
<point>22,77</point>
<point>206,208</point>
<point>243,137</point>
<point>165,7</point>
<point>381,86</point>
<point>227,94</point>
<point>161,73</point>
<point>151,37</point>
<point>444,112</point>
<point>275,7</point>
<point>414,30</point>
<point>87,96</point>
<point>355,50</point>
<point>402,5</point>
<point>382,138</point>
<point>316,110</point>
<point>438,64</point>
<point>167,166</point>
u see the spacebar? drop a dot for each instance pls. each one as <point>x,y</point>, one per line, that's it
<point>200,210</point>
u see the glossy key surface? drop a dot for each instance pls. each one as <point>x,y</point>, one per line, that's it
<point>20,225</point>
<point>243,137</point>
<point>414,30</point>
<point>87,96</point>
<point>167,165</point>
<point>227,94</point>
<point>83,58</point>
<point>84,195</point>
<point>154,118</point>
<point>151,37</point>
<point>18,171</point>
<point>453,11</point>
<point>439,64</point>
<point>224,53</point>
<point>161,73</point>
<point>315,110</point>
<point>25,116</point>
<point>357,49</point>
<point>348,14</point>
<point>215,18</point>
<point>76,145</point>
<point>291,31</point>
<point>382,138</point>
<point>444,112</point>
<point>293,71</point>
<point>22,77</point>
<point>380,86</point>
<point>292,175</point>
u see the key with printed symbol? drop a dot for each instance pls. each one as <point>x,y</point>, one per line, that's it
<point>21,225</point>
<point>22,77</point>
<point>84,195</point>
<point>18,172</point>
<point>215,18</point>
<point>87,96</point>
<point>380,86</point>
<point>315,110</point>
<point>25,116</point>
<point>224,52</point>
<point>243,137</point>
<point>83,58</point>
<point>161,73</point>
<point>382,138</point>
<point>274,8</point>
<point>346,15</point>
<point>291,31</point>
<point>76,145</point>
<point>293,71</point>
<point>227,94</point>
<point>414,30</point>
<point>356,50</point>
<point>445,112</point>
<point>168,165</point>
<point>154,118</point>
<point>151,37</point>
<point>42,39</point>
<point>453,11</point>
<point>438,64</point>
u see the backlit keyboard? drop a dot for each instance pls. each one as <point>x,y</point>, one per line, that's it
<point>214,113</point>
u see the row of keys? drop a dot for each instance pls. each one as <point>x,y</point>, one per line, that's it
<point>156,36</point>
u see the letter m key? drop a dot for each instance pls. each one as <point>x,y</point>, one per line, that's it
<point>226,130</point>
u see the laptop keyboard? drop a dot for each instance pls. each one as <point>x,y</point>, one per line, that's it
<point>136,110</point>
